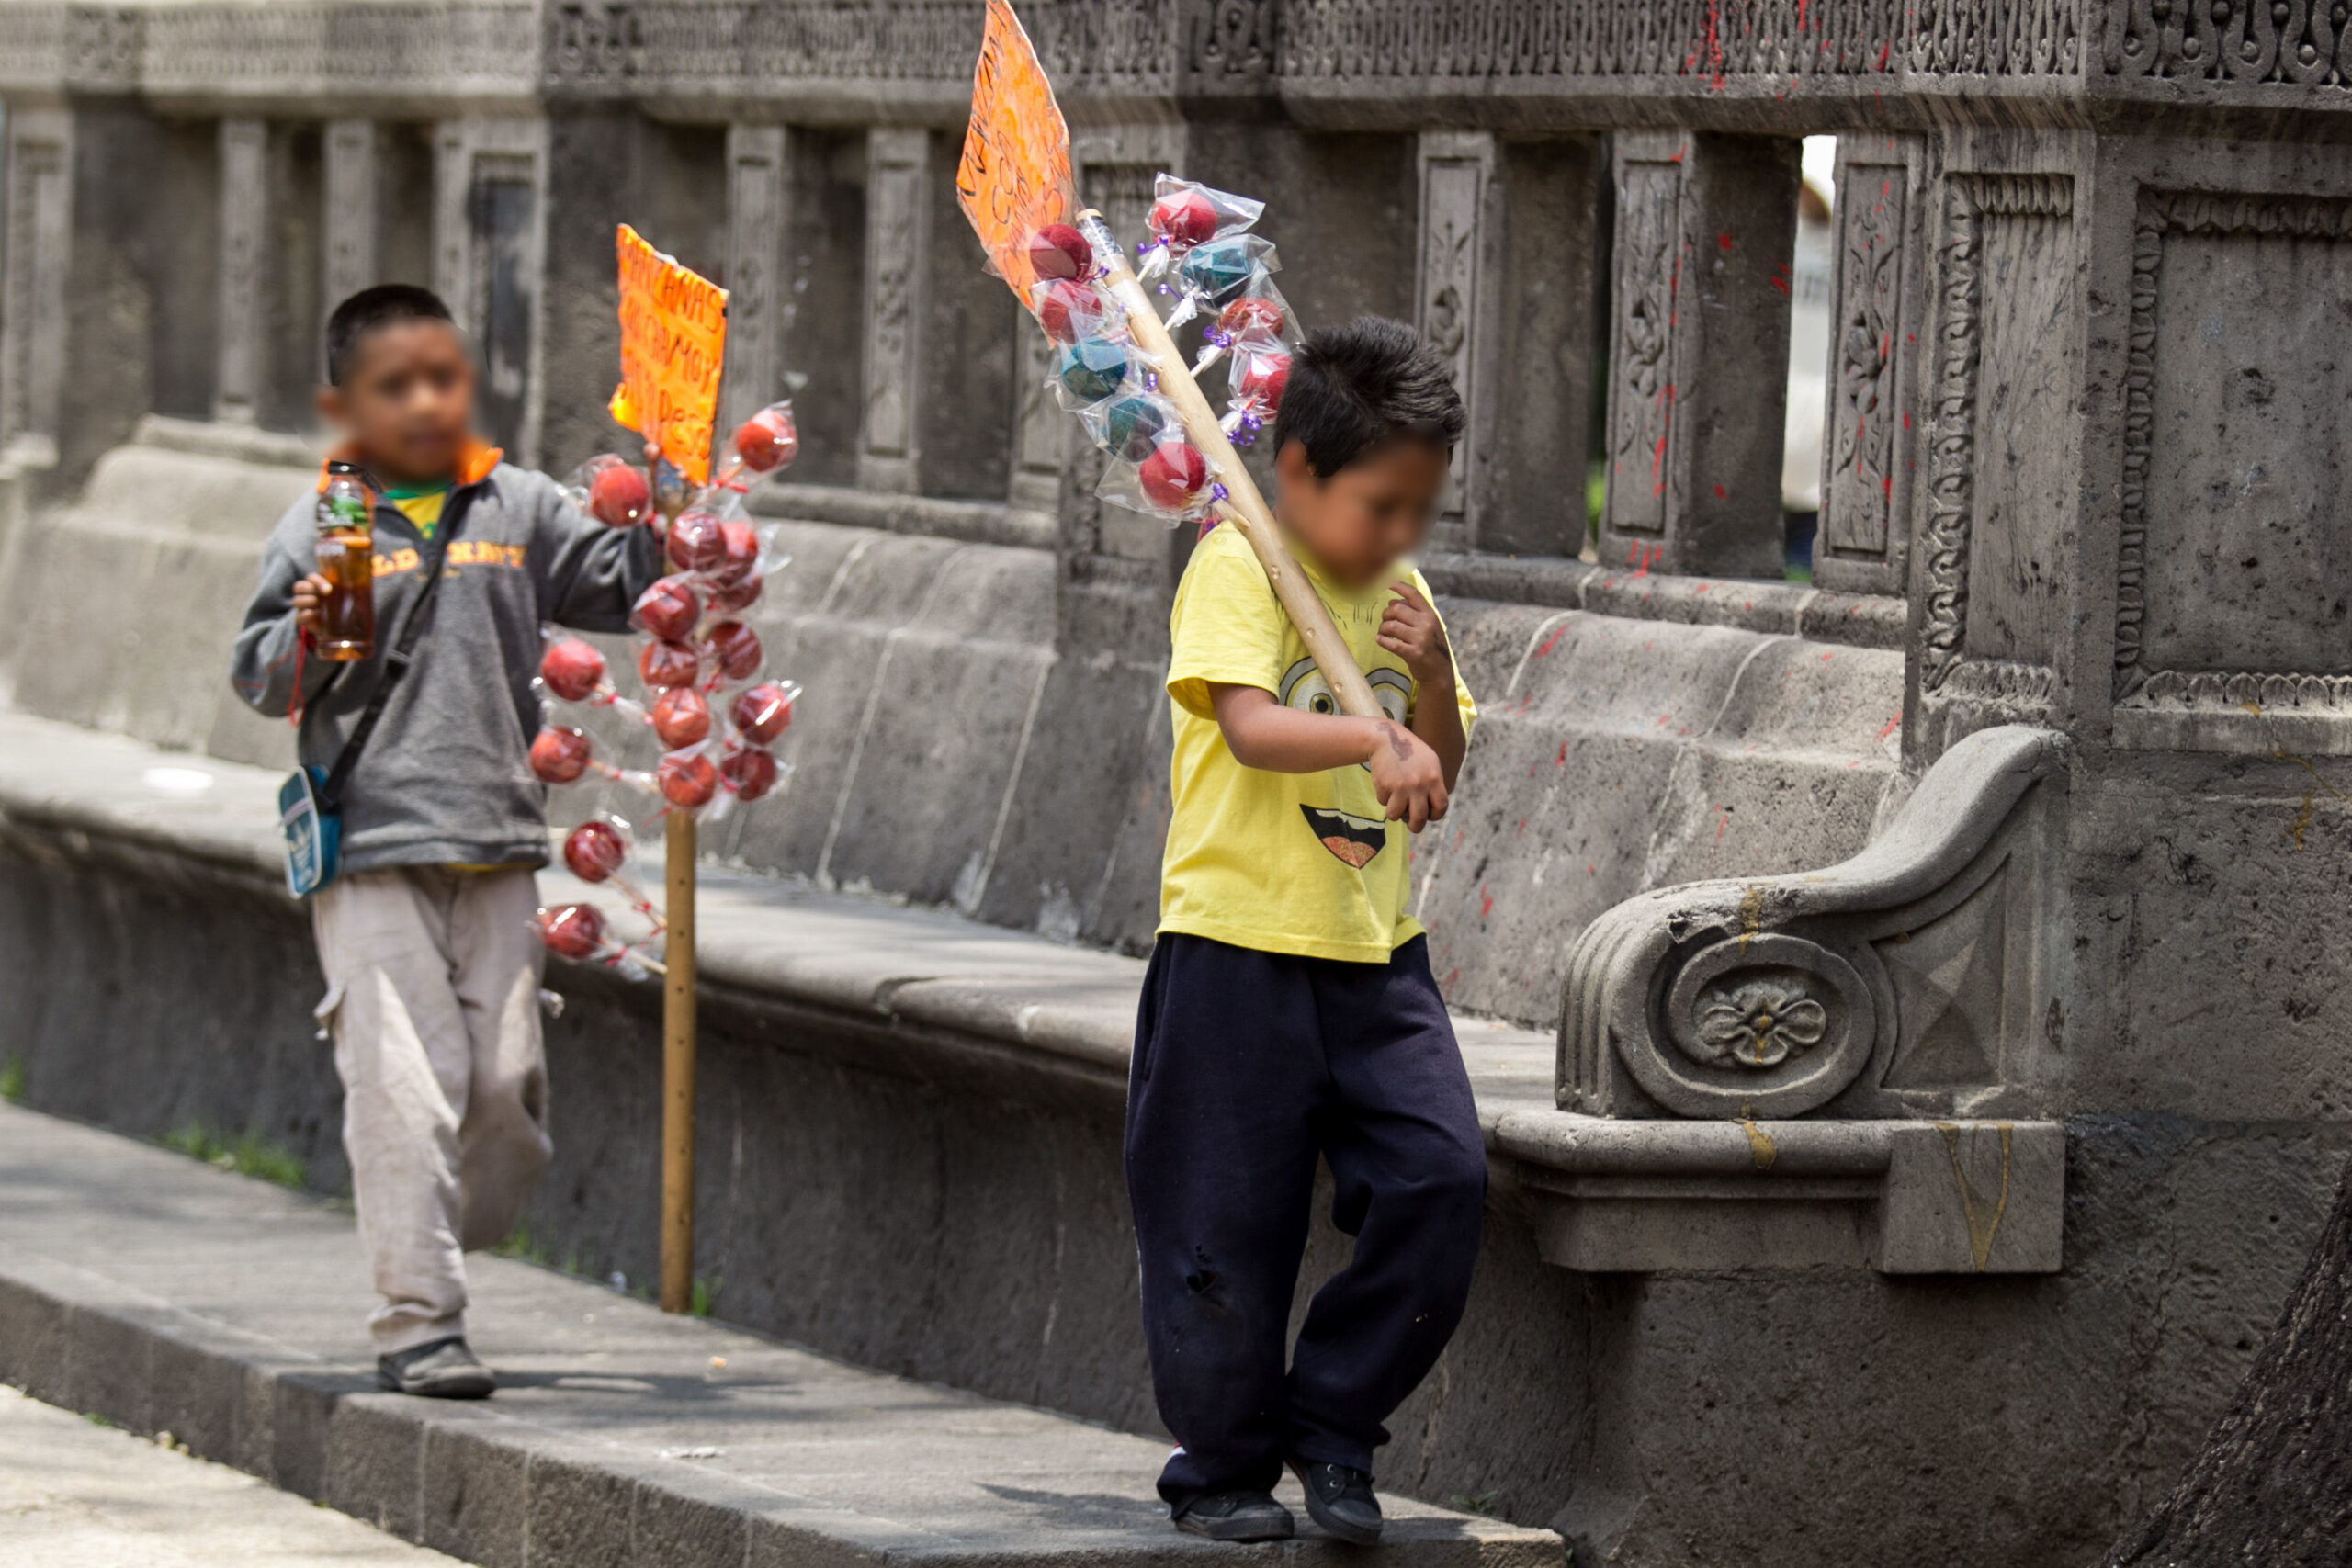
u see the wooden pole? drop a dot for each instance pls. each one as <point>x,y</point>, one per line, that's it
<point>678,1069</point>
<point>1243,507</point>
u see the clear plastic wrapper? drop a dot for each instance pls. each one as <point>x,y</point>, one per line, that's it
<point>735,652</point>
<point>681,718</point>
<point>1092,370</point>
<point>668,609</point>
<point>1057,251</point>
<point>696,541</point>
<point>1172,480</point>
<point>686,779</point>
<point>1258,314</point>
<point>1069,310</point>
<point>1130,425</point>
<point>1258,371</point>
<point>760,714</point>
<point>597,851</point>
<point>1186,214</point>
<point>577,931</point>
<point>662,664</point>
<point>559,754</point>
<point>574,672</point>
<point>762,445</point>
<point>749,772</point>
<point>734,598</point>
<point>1211,276</point>
<point>612,492</point>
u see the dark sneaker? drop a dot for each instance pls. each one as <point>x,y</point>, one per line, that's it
<point>1236,1516</point>
<point>442,1369</point>
<point>1340,1500</point>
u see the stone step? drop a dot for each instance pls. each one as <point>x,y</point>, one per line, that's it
<point>137,1285</point>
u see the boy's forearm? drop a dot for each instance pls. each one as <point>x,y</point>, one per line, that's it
<point>1264,734</point>
<point>1437,719</point>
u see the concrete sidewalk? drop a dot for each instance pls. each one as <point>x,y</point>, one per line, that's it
<point>140,1286</point>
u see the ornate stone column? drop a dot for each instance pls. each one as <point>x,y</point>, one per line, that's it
<point>1879,335</point>
<point>244,248</point>
<point>1699,349</point>
<point>898,245</point>
<point>1503,286</point>
<point>352,182</point>
<point>39,238</point>
<point>489,236</point>
<point>758,197</point>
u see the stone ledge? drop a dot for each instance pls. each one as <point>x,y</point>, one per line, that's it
<point>973,522</point>
<point>1610,1195</point>
<point>1789,609</point>
<point>138,1286</point>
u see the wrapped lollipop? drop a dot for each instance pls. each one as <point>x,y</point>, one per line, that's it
<point>1085,372</point>
<point>686,779</point>
<point>1257,314</point>
<point>610,490</point>
<point>749,772</point>
<point>663,665</point>
<point>735,652</point>
<point>1131,425</point>
<point>681,718</point>
<point>561,755</point>
<point>668,609</point>
<point>1186,214</point>
<point>574,672</point>
<point>1260,370</point>
<point>1211,276</point>
<point>598,850</point>
<point>1068,311</point>
<point>1171,479</point>
<point>762,445</point>
<point>577,931</point>
<point>761,714</point>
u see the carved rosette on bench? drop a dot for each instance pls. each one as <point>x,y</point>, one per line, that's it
<point>1906,981</point>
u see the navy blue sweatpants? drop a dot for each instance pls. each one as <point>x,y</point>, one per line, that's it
<point>1248,1065</point>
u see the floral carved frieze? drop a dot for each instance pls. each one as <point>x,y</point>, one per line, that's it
<point>1760,1020</point>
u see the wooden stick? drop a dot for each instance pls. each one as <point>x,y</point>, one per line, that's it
<point>678,1070</point>
<point>1244,508</point>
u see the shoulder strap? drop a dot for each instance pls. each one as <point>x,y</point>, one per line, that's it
<point>402,654</point>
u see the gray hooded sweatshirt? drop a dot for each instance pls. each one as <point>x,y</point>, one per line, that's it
<point>446,779</point>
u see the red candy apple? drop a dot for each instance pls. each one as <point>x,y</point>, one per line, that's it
<point>595,850</point>
<point>1248,316</point>
<point>573,930</point>
<point>686,779</point>
<point>559,756</point>
<point>1060,251</point>
<point>681,717</point>
<point>662,665</point>
<point>736,648</point>
<point>749,771</point>
<point>697,542</point>
<point>738,552</point>
<point>1263,378</point>
<point>762,713</point>
<point>768,440</point>
<point>1173,475</point>
<point>619,497</point>
<point>668,609</point>
<point>1183,217</point>
<point>571,668</point>
<point>731,598</point>
<point>1069,310</point>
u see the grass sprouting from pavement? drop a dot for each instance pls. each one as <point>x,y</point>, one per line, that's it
<point>705,1296</point>
<point>12,1081</point>
<point>247,1154</point>
<point>1480,1503</point>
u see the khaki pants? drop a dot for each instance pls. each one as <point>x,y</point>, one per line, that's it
<point>433,991</point>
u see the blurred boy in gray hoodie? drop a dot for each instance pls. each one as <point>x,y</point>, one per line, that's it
<point>425,933</point>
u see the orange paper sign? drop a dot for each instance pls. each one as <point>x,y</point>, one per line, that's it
<point>1014,175</point>
<point>674,331</point>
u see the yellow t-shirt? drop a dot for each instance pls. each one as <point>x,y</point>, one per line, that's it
<point>1282,863</point>
<point>424,510</point>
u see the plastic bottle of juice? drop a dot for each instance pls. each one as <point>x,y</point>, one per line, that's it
<point>346,552</point>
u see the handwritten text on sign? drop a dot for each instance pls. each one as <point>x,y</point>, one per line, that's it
<point>1014,177</point>
<point>673,334</point>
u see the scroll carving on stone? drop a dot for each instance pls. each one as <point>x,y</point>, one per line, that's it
<point>1890,980</point>
<point>2300,42</point>
<point>38,240</point>
<point>1649,251</point>
<point>1455,169</point>
<point>245,218</point>
<point>1970,200</point>
<point>895,197</point>
<point>755,219</point>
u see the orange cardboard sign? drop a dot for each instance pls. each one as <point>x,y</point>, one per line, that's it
<point>1014,177</point>
<point>673,334</point>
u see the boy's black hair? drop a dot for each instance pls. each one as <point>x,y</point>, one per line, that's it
<point>378,307</point>
<point>1357,386</point>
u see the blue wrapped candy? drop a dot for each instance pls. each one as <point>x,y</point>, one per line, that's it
<point>1091,370</point>
<point>1132,425</point>
<point>1219,270</point>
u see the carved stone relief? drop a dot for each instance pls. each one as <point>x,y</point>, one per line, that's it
<point>896,252</point>
<point>756,199</point>
<point>2230,575</point>
<point>351,206</point>
<point>1454,170</point>
<point>39,241</point>
<point>1869,349</point>
<point>2301,42</point>
<point>2022,209</point>
<point>489,228</point>
<point>1641,391</point>
<point>245,229</point>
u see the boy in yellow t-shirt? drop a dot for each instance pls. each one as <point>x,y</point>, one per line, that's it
<point>1288,1013</point>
